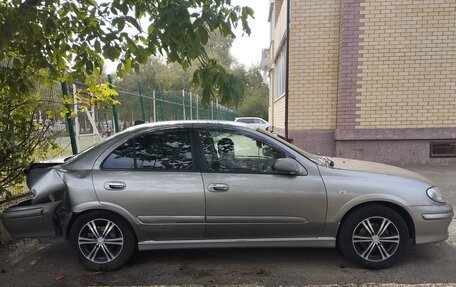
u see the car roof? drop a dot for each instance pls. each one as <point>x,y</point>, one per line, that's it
<point>185,123</point>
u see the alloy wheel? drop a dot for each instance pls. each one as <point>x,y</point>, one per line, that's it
<point>376,239</point>
<point>100,241</point>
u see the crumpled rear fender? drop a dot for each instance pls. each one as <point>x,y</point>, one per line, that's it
<point>46,184</point>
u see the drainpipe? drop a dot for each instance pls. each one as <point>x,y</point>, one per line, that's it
<point>287,69</point>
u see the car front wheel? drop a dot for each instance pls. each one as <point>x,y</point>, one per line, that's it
<point>103,241</point>
<point>374,236</point>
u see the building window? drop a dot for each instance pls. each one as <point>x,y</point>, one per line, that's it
<point>443,149</point>
<point>280,72</point>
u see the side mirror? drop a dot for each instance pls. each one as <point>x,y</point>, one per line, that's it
<point>289,166</point>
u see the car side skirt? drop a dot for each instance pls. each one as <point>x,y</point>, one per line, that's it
<point>328,242</point>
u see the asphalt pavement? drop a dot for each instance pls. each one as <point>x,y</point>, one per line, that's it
<point>54,263</point>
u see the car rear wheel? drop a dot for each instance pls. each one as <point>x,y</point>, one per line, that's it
<point>374,236</point>
<point>103,241</point>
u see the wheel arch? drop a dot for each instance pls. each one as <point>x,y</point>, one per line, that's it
<point>125,217</point>
<point>396,207</point>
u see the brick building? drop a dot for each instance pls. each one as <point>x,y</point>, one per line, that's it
<point>366,79</point>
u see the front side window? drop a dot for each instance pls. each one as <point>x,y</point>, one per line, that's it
<point>233,152</point>
<point>156,151</point>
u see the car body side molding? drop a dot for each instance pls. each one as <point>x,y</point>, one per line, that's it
<point>326,242</point>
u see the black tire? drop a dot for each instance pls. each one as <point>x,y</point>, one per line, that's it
<point>110,252</point>
<point>374,236</point>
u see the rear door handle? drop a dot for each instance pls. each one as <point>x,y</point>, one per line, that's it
<point>115,185</point>
<point>218,187</point>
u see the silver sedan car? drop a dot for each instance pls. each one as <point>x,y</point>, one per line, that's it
<point>195,184</point>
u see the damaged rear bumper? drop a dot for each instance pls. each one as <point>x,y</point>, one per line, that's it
<point>32,220</point>
<point>46,214</point>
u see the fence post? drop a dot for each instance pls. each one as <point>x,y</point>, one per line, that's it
<point>212,110</point>
<point>141,101</point>
<point>114,109</point>
<point>183,104</point>
<point>161,106</point>
<point>74,146</point>
<point>176,115</point>
<point>197,107</point>
<point>154,107</point>
<point>191,106</point>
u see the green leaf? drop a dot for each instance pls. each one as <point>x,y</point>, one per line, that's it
<point>97,46</point>
<point>124,8</point>
<point>204,36</point>
<point>134,22</point>
<point>151,28</point>
<point>89,67</point>
<point>112,53</point>
<point>97,72</point>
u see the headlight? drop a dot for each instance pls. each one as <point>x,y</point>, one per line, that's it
<point>435,194</point>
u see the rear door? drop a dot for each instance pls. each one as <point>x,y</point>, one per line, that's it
<point>154,178</point>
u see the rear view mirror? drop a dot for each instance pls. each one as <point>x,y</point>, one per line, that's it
<point>288,166</point>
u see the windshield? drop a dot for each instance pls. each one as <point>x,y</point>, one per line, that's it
<point>316,159</point>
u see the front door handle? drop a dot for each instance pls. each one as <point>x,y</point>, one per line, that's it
<point>115,185</point>
<point>218,187</point>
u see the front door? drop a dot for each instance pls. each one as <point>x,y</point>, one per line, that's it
<point>246,198</point>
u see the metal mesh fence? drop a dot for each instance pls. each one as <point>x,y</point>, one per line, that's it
<point>166,106</point>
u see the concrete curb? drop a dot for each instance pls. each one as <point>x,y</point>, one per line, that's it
<point>5,237</point>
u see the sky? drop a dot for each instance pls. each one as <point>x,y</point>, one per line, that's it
<point>247,50</point>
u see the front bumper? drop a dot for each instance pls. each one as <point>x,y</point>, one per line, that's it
<point>431,222</point>
<point>31,220</point>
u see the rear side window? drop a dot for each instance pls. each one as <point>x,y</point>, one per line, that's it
<point>157,151</point>
<point>122,157</point>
